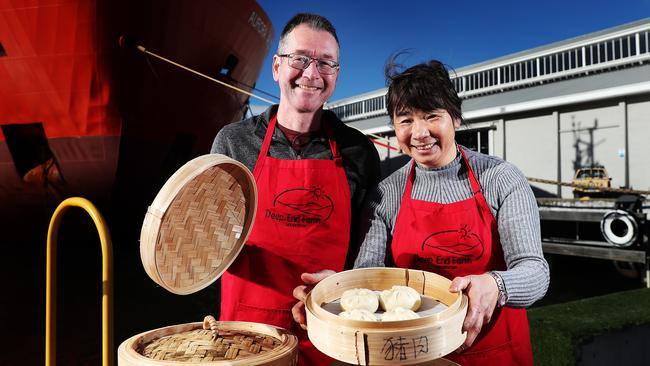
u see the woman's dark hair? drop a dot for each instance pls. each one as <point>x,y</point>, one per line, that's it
<point>424,87</point>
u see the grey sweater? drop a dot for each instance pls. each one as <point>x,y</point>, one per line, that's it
<point>242,141</point>
<point>510,199</point>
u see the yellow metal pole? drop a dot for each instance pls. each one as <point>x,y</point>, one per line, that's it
<point>107,280</point>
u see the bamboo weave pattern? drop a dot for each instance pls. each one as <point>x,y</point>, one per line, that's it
<point>201,226</point>
<point>198,346</point>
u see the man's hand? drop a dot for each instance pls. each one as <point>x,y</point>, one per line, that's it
<point>482,292</point>
<point>300,293</point>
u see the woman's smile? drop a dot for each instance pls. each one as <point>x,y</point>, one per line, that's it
<point>423,147</point>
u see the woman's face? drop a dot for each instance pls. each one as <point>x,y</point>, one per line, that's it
<point>427,137</point>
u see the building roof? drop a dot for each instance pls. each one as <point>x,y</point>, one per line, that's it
<point>560,44</point>
<point>606,64</point>
<point>634,80</point>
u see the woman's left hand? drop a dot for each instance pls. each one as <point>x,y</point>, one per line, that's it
<point>482,292</point>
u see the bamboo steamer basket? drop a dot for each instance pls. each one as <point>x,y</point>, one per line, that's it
<point>192,232</point>
<point>190,344</point>
<point>405,342</point>
<point>198,223</point>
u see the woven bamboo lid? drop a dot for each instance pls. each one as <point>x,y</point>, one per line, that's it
<point>238,344</point>
<point>198,223</point>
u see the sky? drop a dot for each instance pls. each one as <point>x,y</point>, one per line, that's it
<point>458,33</point>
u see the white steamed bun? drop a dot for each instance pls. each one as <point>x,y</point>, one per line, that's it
<point>399,314</point>
<point>359,298</point>
<point>358,314</point>
<point>400,296</point>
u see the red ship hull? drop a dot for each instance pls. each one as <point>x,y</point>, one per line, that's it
<point>81,116</point>
<point>103,113</point>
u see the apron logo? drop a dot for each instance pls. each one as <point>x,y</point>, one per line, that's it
<point>301,207</point>
<point>460,246</point>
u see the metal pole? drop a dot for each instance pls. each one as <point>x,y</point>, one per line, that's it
<point>107,280</point>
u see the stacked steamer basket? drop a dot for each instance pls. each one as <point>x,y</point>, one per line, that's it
<point>406,342</point>
<point>194,229</point>
<point>238,344</point>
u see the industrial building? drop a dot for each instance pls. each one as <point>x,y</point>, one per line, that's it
<point>549,110</point>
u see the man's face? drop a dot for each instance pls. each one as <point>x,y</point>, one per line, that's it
<point>305,91</point>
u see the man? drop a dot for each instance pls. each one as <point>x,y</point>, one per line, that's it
<point>312,174</point>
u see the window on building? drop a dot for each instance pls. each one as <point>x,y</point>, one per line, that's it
<point>625,49</point>
<point>525,68</point>
<point>566,65</point>
<point>476,140</point>
<point>609,51</point>
<point>553,63</point>
<point>643,42</point>
<point>632,42</point>
<point>579,57</point>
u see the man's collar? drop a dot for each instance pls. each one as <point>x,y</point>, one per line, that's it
<point>263,122</point>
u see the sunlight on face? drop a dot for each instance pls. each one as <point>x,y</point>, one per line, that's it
<point>427,137</point>
<point>305,91</point>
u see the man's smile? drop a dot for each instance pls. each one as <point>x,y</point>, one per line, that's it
<point>308,87</point>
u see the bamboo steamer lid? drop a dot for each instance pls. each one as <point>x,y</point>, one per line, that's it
<point>198,223</point>
<point>190,344</point>
<point>405,342</point>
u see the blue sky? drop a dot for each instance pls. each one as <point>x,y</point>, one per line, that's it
<point>459,33</point>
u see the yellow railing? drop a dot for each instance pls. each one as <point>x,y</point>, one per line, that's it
<point>107,280</point>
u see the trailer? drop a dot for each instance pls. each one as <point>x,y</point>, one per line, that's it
<point>614,229</point>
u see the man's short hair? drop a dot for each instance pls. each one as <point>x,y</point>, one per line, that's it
<point>314,21</point>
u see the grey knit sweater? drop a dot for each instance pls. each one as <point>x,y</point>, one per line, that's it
<point>510,199</point>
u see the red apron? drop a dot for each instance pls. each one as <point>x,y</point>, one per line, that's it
<point>302,224</point>
<point>459,239</point>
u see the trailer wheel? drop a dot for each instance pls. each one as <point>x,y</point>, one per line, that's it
<point>619,228</point>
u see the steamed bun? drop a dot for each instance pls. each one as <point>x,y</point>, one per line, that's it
<point>399,314</point>
<point>400,296</point>
<point>359,298</point>
<point>358,314</point>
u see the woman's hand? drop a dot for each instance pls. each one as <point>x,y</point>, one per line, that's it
<point>482,292</point>
<point>300,293</point>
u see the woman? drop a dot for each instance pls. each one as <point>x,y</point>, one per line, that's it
<point>452,211</point>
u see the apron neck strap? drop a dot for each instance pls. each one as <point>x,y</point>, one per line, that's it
<point>476,187</point>
<point>264,151</point>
